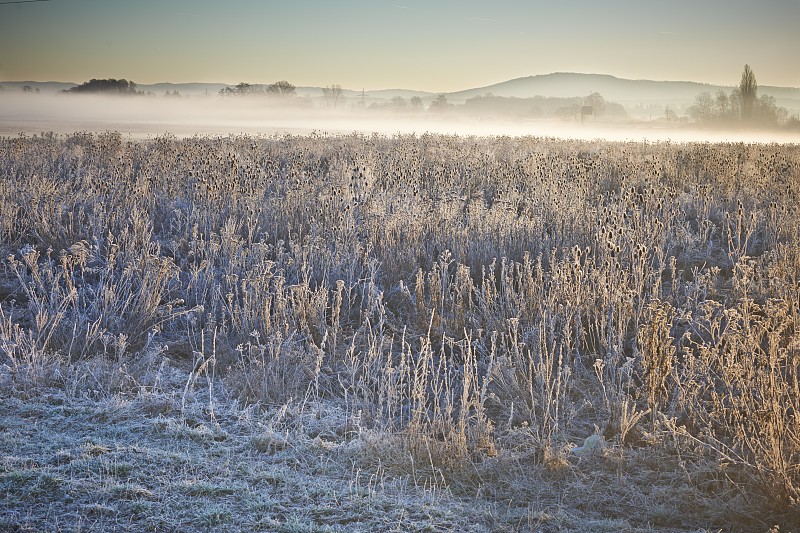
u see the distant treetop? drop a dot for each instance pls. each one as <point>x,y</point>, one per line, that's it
<point>107,86</point>
<point>279,88</point>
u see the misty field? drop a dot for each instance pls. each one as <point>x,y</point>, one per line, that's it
<point>421,332</point>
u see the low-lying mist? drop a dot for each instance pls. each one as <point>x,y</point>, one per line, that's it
<point>141,117</point>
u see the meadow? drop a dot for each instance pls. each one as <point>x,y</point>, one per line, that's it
<point>410,332</point>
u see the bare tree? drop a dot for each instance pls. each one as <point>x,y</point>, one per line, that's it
<point>439,105</point>
<point>597,102</point>
<point>723,105</point>
<point>332,94</point>
<point>736,103</point>
<point>281,88</point>
<point>569,112</point>
<point>398,103</point>
<point>241,89</point>
<point>703,108</point>
<point>748,89</point>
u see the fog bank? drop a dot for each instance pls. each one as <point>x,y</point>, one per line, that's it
<point>142,117</point>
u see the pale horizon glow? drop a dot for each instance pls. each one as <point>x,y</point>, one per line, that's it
<point>438,47</point>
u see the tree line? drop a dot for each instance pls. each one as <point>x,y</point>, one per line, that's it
<point>279,88</point>
<point>107,86</point>
<point>742,104</point>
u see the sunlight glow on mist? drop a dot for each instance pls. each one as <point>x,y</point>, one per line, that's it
<point>140,117</point>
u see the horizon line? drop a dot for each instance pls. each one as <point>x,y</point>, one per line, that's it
<point>413,90</point>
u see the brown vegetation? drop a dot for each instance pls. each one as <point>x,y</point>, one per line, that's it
<point>474,308</point>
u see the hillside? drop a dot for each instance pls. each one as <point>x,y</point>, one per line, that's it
<point>629,93</point>
<point>625,91</point>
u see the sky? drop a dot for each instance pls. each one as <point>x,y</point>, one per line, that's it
<point>438,46</point>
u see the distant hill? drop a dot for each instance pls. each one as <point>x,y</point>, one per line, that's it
<point>377,95</point>
<point>43,86</point>
<point>201,89</point>
<point>625,91</point>
<point>403,93</point>
<point>567,84</point>
<point>185,89</point>
<point>629,93</point>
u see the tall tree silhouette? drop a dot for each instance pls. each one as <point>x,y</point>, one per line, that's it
<point>747,91</point>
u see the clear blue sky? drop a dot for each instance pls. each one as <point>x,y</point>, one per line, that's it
<point>437,46</point>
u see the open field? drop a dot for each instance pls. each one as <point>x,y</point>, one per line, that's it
<point>419,332</point>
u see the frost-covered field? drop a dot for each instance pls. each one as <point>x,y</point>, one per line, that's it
<point>413,332</point>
